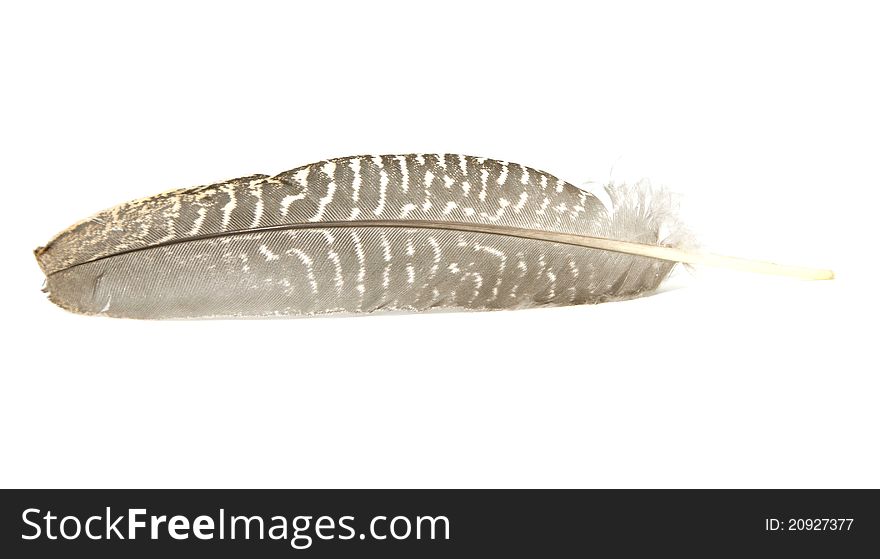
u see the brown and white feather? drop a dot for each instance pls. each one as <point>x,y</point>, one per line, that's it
<point>360,234</point>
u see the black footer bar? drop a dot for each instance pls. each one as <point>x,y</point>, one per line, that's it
<point>438,523</point>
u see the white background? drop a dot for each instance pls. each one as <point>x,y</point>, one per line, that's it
<point>763,115</point>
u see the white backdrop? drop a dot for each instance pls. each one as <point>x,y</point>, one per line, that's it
<point>763,115</point>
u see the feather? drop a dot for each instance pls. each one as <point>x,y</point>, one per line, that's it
<point>371,233</point>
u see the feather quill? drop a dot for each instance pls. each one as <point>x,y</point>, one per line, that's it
<point>366,234</point>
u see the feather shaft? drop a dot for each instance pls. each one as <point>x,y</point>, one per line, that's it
<point>670,254</point>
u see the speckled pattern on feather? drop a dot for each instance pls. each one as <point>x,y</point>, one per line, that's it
<point>291,244</point>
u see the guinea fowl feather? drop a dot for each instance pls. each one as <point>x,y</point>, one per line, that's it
<point>366,234</point>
